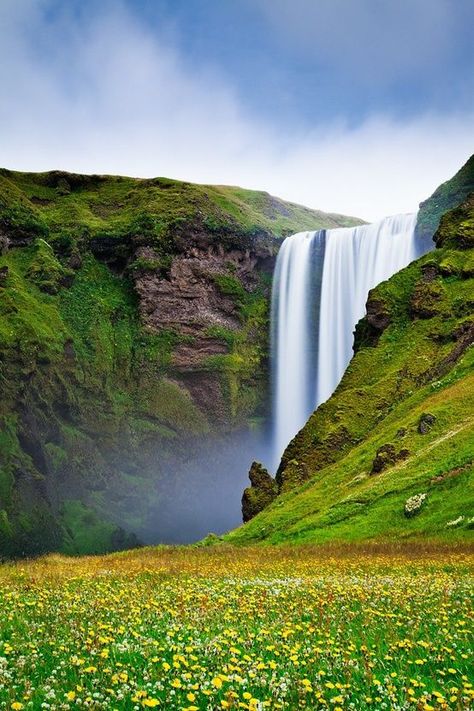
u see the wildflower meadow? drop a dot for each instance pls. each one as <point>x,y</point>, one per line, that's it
<point>235,628</point>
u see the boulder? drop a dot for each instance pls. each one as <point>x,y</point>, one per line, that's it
<point>387,456</point>
<point>426,423</point>
<point>3,276</point>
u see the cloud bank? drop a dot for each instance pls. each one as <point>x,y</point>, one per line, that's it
<point>96,91</point>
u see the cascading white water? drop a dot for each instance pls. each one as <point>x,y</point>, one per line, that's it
<point>356,260</point>
<point>293,326</point>
<point>320,288</point>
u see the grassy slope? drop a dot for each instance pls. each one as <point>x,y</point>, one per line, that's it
<point>280,217</point>
<point>328,491</point>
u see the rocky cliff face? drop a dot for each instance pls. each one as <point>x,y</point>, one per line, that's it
<point>200,298</point>
<point>133,348</point>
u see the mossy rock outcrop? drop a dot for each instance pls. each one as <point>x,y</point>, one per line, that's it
<point>260,494</point>
<point>447,196</point>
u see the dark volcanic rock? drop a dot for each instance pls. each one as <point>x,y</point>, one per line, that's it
<point>370,328</point>
<point>426,423</point>
<point>386,457</point>
<point>260,494</point>
<point>377,314</point>
<point>112,250</point>
<point>3,276</point>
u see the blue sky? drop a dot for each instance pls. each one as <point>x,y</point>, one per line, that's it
<point>356,106</point>
<point>313,60</point>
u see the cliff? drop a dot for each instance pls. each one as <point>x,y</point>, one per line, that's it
<point>390,454</point>
<point>133,341</point>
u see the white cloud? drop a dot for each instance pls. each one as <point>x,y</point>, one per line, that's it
<point>114,98</point>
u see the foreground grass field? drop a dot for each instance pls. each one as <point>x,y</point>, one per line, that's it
<point>227,628</point>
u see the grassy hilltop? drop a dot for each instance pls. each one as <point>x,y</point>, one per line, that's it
<point>390,454</point>
<point>66,207</point>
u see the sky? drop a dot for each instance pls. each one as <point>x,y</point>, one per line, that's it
<point>361,107</point>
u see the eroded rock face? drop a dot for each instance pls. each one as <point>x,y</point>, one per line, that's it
<point>197,296</point>
<point>189,299</point>
<point>370,328</point>
<point>377,314</point>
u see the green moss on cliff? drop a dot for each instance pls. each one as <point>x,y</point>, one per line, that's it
<point>79,377</point>
<point>243,368</point>
<point>89,534</point>
<point>18,216</point>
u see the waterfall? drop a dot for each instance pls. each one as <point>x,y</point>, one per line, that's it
<point>356,260</point>
<point>320,288</point>
<point>294,321</point>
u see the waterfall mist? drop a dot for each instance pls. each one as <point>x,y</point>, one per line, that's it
<point>320,289</point>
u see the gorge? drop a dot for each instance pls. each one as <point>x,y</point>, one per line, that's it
<point>135,350</point>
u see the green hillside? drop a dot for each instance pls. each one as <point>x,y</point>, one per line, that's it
<point>401,422</point>
<point>112,384</point>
